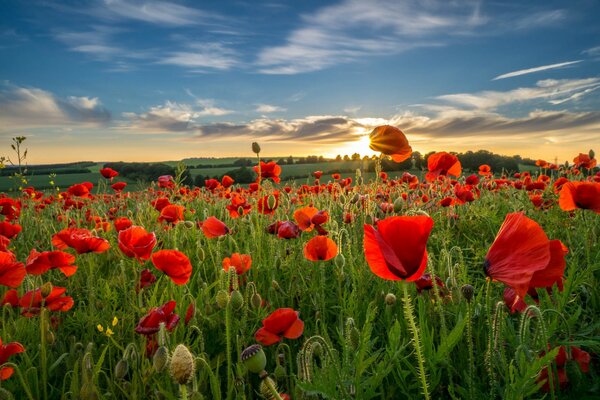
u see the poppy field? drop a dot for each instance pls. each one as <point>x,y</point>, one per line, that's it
<point>451,286</point>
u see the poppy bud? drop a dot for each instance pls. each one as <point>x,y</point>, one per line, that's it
<point>196,396</point>
<point>50,338</point>
<point>255,148</point>
<point>254,358</point>
<point>5,394</point>
<point>240,210</point>
<point>398,204</point>
<point>189,224</point>
<point>280,372</point>
<point>390,299</point>
<point>200,253</point>
<point>275,285</point>
<point>256,301</point>
<point>591,154</point>
<point>88,392</point>
<point>46,289</point>
<point>182,365</point>
<point>222,298</point>
<point>271,201</point>
<point>160,359</point>
<point>467,292</point>
<point>122,368</point>
<point>340,261</point>
<point>237,300</point>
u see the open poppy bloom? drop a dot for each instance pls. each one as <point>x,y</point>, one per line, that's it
<point>136,242</point>
<point>584,195</point>
<point>268,170</point>
<point>213,227</point>
<point>390,141</point>
<point>32,301</point>
<point>238,207</point>
<point>81,189</point>
<point>172,214</point>
<point>9,230</point>
<point>108,173</point>
<point>241,263</point>
<point>175,264</point>
<point>118,186</point>
<point>442,164</point>
<point>303,217</point>
<point>520,249</point>
<point>12,272</point>
<point>584,161</point>
<point>38,263</point>
<point>396,250</point>
<point>79,239</point>
<point>6,351</point>
<point>166,182</point>
<point>122,223</point>
<point>281,323</point>
<point>150,323</point>
<point>227,181</point>
<point>485,170</point>
<point>320,248</point>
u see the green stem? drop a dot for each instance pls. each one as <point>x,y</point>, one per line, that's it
<point>43,355</point>
<point>183,392</point>
<point>471,352</point>
<point>409,314</point>
<point>275,395</point>
<point>228,348</point>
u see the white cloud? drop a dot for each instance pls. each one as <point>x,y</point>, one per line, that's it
<point>205,55</point>
<point>267,108</point>
<point>156,12</point>
<point>536,69</point>
<point>352,110</point>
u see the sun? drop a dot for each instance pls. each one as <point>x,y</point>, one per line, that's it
<point>360,146</point>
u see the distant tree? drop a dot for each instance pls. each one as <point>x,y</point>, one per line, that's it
<point>282,161</point>
<point>243,162</point>
<point>355,157</point>
<point>290,160</point>
<point>346,157</point>
<point>338,158</point>
<point>366,158</point>
<point>321,159</point>
<point>417,160</point>
<point>242,175</point>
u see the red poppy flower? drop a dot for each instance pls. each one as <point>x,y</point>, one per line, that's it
<point>12,272</point>
<point>520,249</point>
<point>582,358</point>
<point>512,301</point>
<point>554,271</point>
<point>584,195</point>
<point>227,181</point>
<point>32,301</point>
<point>396,250</point>
<point>287,230</point>
<point>303,217</point>
<point>9,230</point>
<point>268,204</point>
<point>442,164</point>
<point>320,248</point>
<point>336,176</point>
<point>485,170</point>
<point>81,189</point>
<point>269,170</point>
<point>79,239</point>
<point>122,223</point>
<point>391,141</point>
<point>241,263</point>
<point>172,213</point>
<point>147,278</point>
<point>10,208</point>
<point>108,173</point>
<point>318,174</point>
<point>213,227</point>
<point>175,264</point>
<point>281,323</point>
<point>189,313</point>
<point>166,182</point>
<point>584,161</point>
<point>10,297</point>
<point>38,263</point>
<point>6,351</point>
<point>238,206</point>
<point>472,180</point>
<point>136,242</point>
<point>118,186</point>
<point>212,184</point>
<point>150,323</point>
<point>426,283</point>
<point>160,203</point>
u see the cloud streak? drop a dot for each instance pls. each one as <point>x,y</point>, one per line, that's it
<point>536,69</point>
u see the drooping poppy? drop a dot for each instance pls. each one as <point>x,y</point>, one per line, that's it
<point>287,230</point>
<point>317,174</point>
<point>175,264</point>
<point>390,141</point>
<point>136,242</point>
<point>268,170</point>
<point>172,214</point>
<point>213,227</point>
<point>147,278</point>
<point>227,181</point>
<point>32,301</point>
<point>583,195</point>
<point>38,263</point>
<point>118,186</point>
<point>6,351</point>
<point>79,239</point>
<point>442,164</point>
<point>12,272</point>
<point>150,323</point>
<point>320,248</point>
<point>396,250</point>
<point>241,263</point>
<point>108,173</point>
<point>166,182</point>
<point>281,323</point>
<point>520,249</point>
<point>189,313</point>
<point>554,271</point>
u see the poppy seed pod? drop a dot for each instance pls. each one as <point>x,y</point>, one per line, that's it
<point>254,358</point>
<point>182,366</point>
<point>467,292</point>
<point>255,148</point>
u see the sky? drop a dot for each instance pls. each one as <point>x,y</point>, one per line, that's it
<point>110,80</point>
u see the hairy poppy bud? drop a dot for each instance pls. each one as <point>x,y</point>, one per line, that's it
<point>50,338</point>
<point>189,224</point>
<point>254,358</point>
<point>5,394</point>
<point>46,289</point>
<point>256,301</point>
<point>271,201</point>
<point>237,300</point>
<point>398,204</point>
<point>182,365</point>
<point>275,285</point>
<point>280,372</point>
<point>591,154</point>
<point>121,369</point>
<point>390,299</point>
<point>160,359</point>
<point>255,148</point>
<point>340,261</point>
<point>467,292</point>
<point>222,298</point>
<point>265,387</point>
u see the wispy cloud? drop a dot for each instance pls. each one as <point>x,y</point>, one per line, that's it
<point>592,52</point>
<point>536,69</point>
<point>201,56</point>
<point>268,108</point>
<point>22,107</point>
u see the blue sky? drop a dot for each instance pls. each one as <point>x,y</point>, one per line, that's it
<point>159,80</point>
